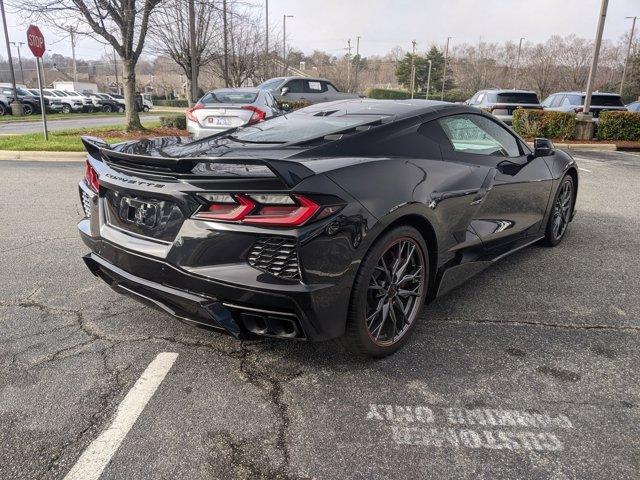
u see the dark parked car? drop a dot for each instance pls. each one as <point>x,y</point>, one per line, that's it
<point>338,219</point>
<point>574,102</point>
<point>30,103</point>
<point>304,89</point>
<point>502,103</point>
<point>103,102</point>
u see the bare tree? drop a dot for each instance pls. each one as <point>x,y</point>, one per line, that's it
<point>121,23</point>
<point>169,35</point>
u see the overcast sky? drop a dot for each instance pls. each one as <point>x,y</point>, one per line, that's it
<point>384,24</point>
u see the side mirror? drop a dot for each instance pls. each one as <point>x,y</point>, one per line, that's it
<point>542,147</point>
<point>284,91</point>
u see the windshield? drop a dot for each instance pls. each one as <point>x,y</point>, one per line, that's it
<point>22,91</point>
<point>517,97</point>
<point>297,127</point>
<point>119,97</point>
<point>271,84</point>
<point>606,100</point>
<point>60,93</point>
<point>229,96</point>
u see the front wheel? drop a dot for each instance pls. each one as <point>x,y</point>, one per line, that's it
<point>3,110</point>
<point>388,293</point>
<point>27,109</point>
<point>107,109</point>
<point>561,213</point>
<point>66,109</point>
<point>145,109</point>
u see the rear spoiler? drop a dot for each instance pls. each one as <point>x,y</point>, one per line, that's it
<point>289,172</point>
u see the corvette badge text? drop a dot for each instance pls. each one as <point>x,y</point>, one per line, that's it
<point>481,428</point>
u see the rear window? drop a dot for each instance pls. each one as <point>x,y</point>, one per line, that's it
<point>517,97</point>
<point>229,97</point>
<point>297,127</point>
<point>606,100</point>
<point>271,84</point>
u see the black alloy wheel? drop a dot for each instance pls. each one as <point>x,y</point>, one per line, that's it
<point>107,108</point>
<point>561,214</point>
<point>3,110</point>
<point>389,293</point>
<point>27,109</point>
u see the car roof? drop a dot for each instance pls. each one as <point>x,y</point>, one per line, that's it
<point>241,89</point>
<point>584,93</point>
<point>369,106</point>
<point>506,90</point>
<point>300,77</point>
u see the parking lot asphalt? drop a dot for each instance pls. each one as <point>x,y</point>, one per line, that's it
<point>71,123</point>
<point>530,370</point>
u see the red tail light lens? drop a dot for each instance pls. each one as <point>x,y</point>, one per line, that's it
<point>229,208</point>
<point>190,115</point>
<point>91,177</point>
<point>258,115</point>
<point>285,215</point>
<point>279,210</point>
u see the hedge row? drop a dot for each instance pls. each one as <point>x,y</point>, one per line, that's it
<point>294,105</point>
<point>619,126</point>
<point>174,121</point>
<point>389,94</point>
<point>544,123</point>
<point>171,103</point>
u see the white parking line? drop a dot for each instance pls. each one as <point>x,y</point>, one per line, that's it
<point>584,169</point>
<point>97,455</point>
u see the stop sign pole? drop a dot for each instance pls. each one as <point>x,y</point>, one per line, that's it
<point>35,40</point>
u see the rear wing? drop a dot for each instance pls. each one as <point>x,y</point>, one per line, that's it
<point>289,172</point>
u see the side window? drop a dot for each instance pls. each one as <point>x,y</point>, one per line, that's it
<point>295,86</point>
<point>557,101</point>
<point>575,99</point>
<point>548,101</point>
<point>478,135</point>
<point>480,98</point>
<point>329,87</point>
<point>566,103</point>
<point>315,86</point>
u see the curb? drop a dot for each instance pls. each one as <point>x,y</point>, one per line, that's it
<point>609,147</point>
<point>42,156</point>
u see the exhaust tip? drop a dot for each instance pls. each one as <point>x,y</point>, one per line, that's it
<point>280,327</point>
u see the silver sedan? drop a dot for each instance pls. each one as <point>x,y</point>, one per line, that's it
<point>226,108</point>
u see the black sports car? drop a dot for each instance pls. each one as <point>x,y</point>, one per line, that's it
<point>342,218</point>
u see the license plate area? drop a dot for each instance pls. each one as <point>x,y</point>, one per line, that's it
<point>154,218</point>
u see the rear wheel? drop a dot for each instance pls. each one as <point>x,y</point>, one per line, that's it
<point>66,108</point>
<point>27,109</point>
<point>561,214</point>
<point>388,293</point>
<point>3,110</point>
<point>107,108</point>
<point>145,109</point>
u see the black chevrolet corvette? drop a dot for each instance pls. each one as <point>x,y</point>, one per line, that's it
<point>341,219</point>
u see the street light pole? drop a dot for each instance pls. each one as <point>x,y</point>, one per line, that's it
<point>16,106</point>
<point>266,42</point>
<point>355,81</point>
<point>18,45</point>
<point>284,42</point>
<point>626,61</point>
<point>413,67</point>
<point>226,43</point>
<point>444,70</point>
<point>428,80</point>
<point>596,53</point>
<point>515,72</point>
<point>349,65</point>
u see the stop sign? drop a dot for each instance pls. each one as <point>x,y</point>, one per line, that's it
<point>35,40</point>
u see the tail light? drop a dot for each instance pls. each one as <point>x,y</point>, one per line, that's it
<point>190,116</point>
<point>258,115</point>
<point>91,177</point>
<point>275,210</point>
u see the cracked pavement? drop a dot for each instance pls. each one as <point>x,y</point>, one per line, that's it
<point>530,370</point>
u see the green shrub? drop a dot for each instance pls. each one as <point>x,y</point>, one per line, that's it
<point>171,103</point>
<point>388,94</point>
<point>543,123</point>
<point>619,126</point>
<point>174,121</point>
<point>294,105</point>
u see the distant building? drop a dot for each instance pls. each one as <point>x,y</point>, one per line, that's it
<point>80,87</point>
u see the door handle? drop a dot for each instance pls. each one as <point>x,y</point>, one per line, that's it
<point>485,188</point>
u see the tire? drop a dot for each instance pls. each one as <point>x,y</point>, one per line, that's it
<point>3,110</point>
<point>377,293</point>
<point>27,109</point>
<point>66,108</point>
<point>561,212</point>
<point>107,109</point>
<point>145,109</point>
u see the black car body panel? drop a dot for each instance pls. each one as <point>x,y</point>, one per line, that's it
<point>393,165</point>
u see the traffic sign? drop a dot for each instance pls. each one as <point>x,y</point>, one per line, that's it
<point>35,40</point>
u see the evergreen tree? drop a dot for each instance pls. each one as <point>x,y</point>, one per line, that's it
<point>403,71</point>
